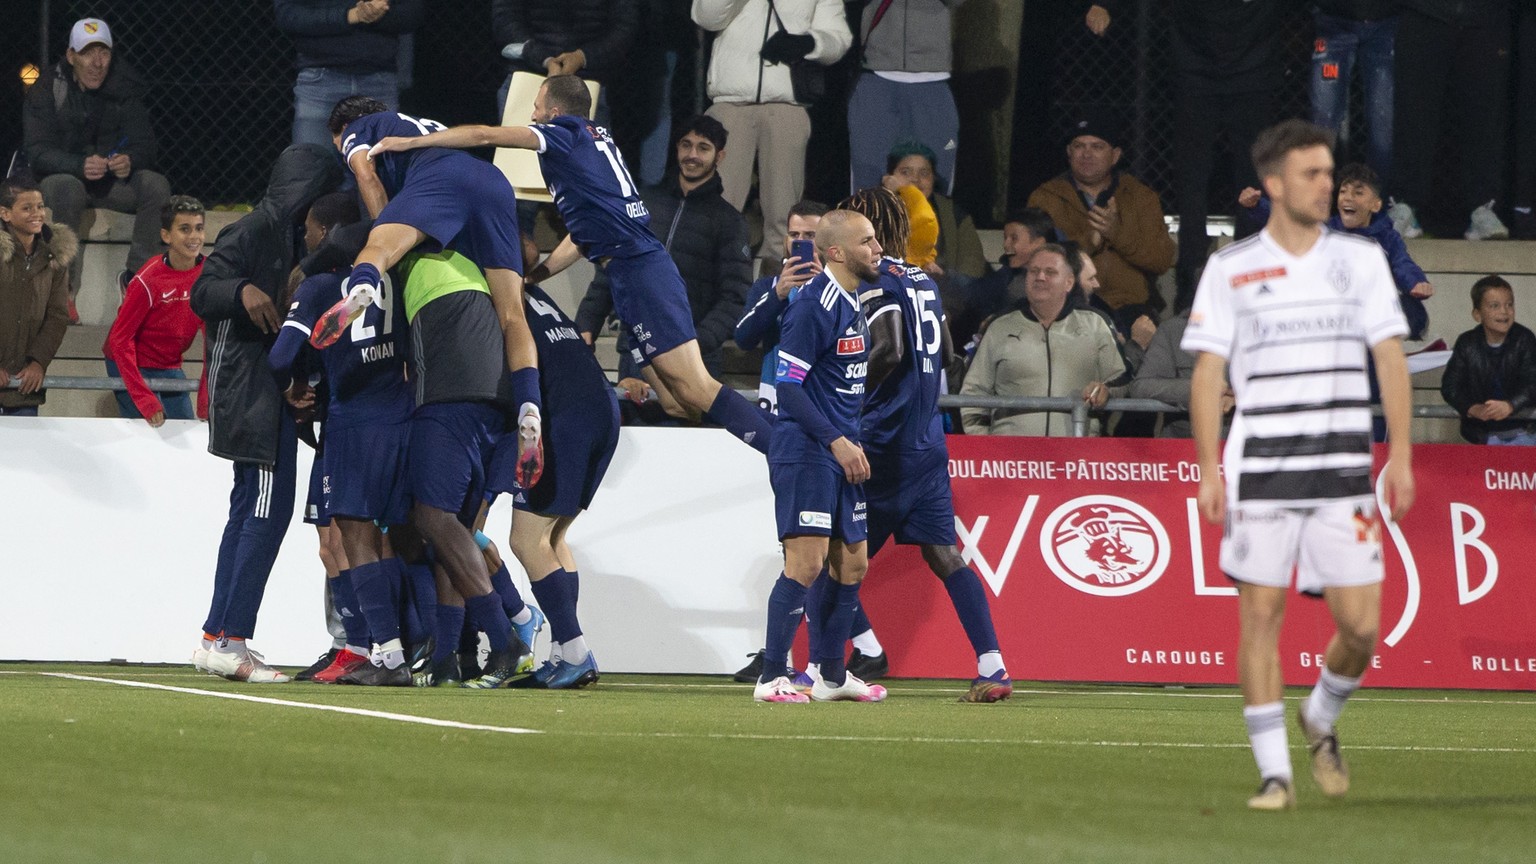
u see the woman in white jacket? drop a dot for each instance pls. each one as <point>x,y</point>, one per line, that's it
<point>749,84</point>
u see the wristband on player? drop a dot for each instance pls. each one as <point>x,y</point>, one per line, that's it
<point>482,541</point>
<point>525,390</point>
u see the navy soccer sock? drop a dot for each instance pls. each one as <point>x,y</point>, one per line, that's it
<point>816,598</point>
<point>970,601</point>
<point>844,601</point>
<point>371,585</point>
<point>786,603</point>
<point>486,613</point>
<point>421,596</point>
<point>860,621</point>
<point>450,623</point>
<point>344,597</point>
<point>558,608</point>
<point>511,599</point>
<point>742,419</point>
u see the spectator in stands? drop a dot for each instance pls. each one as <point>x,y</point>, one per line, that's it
<point>960,259</point>
<point>706,237</point>
<point>1492,371</point>
<point>587,38</point>
<point>1047,347</point>
<point>90,143</point>
<point>903,91</point>
<point>1452,82</point>
<point>1165,373</point>
<point>155,325</point>
<point>34,294</point>
<point>657,88</point>
<point>754,96</point>
<point>1354,34</point>
<point>1023,233</point>
<point>345,48</point>
<point>1111,215</point>
<point>1132,325</point>
<point>759,324</point>
<point>1227,58</point>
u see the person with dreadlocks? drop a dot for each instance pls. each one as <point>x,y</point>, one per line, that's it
<point>908,490</point>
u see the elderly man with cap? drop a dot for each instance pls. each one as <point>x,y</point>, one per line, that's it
<point>89,141</point>
<point>1113,217</point>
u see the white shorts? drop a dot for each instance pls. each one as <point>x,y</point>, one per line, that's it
<point>1334,545</point>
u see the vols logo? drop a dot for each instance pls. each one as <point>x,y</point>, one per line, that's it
<point>850,345</point>
<point>1104,545</point>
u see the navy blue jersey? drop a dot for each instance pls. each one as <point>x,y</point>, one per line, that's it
<point>593,191</point>
<point>759,324</point>
<point>903,412</point>
<point>570,378</point>
<point>364,132</point>
<point>824,348</point>
<point>365,369</point>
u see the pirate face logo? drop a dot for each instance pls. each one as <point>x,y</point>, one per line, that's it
<point>1104,545</point>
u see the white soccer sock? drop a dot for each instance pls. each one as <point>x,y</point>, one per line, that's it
<point>989,664</point>
<point>229,646</point>
<point>391,655</point>
<point>555,653</point>
<point>867,644</point>
<point>813,670</point>
<point>1266,732</point>
<point>361,652</point>
<point>523,617</point>
<point>1328,697</point>
<point>574,650</point>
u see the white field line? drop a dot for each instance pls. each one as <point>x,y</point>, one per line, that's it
<point>358,712</point>
<point>861,739</point>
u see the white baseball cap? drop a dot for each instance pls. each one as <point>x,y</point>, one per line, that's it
<point>88,31</point>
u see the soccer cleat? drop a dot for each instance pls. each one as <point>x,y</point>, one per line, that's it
<point>339,317</point>
<point>989,688</point>
<point>570,676</point>
<point>369,675</point>
<point>418,657</point>
<point>1328,767</point>
<point>752,671</point>
<point>1274,794</point>
<point>1486,225</point>
<point>200,660</point>
<point>530,446</point>
<point>779,690</point>
<point>324,660</point>
<point>804,681</point>
<point>501,670</point>
<point>1404,221</point>
<point>851,690</point>
<point>527,633</point>
<point>545,672</point>
<point>345,662</point>
<point>244,666</point>
<point>469,664</point>
<point>866,667</point>
<point>441,673</point>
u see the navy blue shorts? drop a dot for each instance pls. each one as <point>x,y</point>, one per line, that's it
<point>462,204</point>
<point>652,301</point>
<point>909,497</point>
<point>365,472</point>
<point>578,446</point>
<point>817,499</point>
<point>314,503</point>
<point>451,443</point>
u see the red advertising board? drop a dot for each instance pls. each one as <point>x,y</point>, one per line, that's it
<point>1099,568</point>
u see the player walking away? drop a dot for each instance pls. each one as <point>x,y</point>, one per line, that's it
<point>1293,309</point>
<point>437,199</point>
<point>581,426</point>
<point>816,465</point>
<point>602,209</point>
<point>903,433</point>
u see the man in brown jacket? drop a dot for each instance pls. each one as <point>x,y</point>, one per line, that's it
<point>1112,216</point>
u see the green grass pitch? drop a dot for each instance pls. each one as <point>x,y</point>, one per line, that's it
<point>689,769</point>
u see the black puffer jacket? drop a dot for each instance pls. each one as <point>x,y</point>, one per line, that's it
<point>63,124</point>
<point>707,238</point>
<point>324,38</point>
<point>1469,376</point>
<point>604,30</point>
<point>245,405</point>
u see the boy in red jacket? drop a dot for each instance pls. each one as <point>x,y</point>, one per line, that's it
<point>155,325</point>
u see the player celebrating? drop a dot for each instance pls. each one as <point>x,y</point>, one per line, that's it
<point>903,434</point>
<point>607,220</point>
<point>816,464</point>
<point>1293,310</point>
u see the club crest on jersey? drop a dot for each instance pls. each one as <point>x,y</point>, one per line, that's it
<point>1339,276</point>
<point>850,345</point>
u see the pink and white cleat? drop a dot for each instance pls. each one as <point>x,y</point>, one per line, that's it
<point>851,690</point>
<point>778,690</point>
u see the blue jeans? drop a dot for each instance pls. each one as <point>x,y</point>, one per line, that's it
<point>1340,43</point>
<point>23,411</point>
<point>317,90</point>
<point>178,406</point>
<point>1513,438</point>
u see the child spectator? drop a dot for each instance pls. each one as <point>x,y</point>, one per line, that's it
<point>1492,371</point>
<point>1360,212</point>
<point>155,325</point>
<point>34,294</point>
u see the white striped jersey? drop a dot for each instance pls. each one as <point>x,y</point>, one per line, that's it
<point>1295,332</point>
